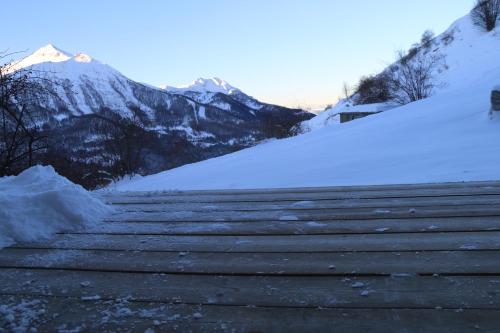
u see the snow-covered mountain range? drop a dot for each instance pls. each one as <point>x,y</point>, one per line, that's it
<point>209,117</point>
<point>450,136</point>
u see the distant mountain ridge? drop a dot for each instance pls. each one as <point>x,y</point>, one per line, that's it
<point>206,90</point>
<point>213,85</point>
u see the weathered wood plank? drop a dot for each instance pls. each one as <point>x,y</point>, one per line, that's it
<point>313,205</point>
<point>307,264</point>
<point>385,187</point>
<point>288,291</point>
<point>325,214</point>
<point>295,196</point>
<point>296,243</point>
<point>125,316</point>
<point>300,227</point>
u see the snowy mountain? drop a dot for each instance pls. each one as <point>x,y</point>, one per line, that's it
<point>80,84</point>
<point>447,137</point>
<point>213,85</point>
<point>209,118</point>
<point>209,90</point>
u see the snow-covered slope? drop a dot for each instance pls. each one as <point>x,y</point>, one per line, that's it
<point>467,52</point>
<point>448,137</point>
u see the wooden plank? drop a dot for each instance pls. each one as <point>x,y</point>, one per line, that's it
<point>74,314</point>
<point>352,188</point>
<point>313,205</point>
<point>307,264</point>
<point>325,214</point>
<point>297,243</point>
<point>294,196</point>
<point>299,227</point>
<point>289,291</point>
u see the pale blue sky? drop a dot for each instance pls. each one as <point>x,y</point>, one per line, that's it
<point>291,52</point>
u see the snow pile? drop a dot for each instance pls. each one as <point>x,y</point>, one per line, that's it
<point>39,203</point>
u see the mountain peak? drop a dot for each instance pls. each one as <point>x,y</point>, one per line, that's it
<point>82,57</point>
<point>50,53</point>
<point>47,53</point>
<point>213,84</point>
<point>202,85</point>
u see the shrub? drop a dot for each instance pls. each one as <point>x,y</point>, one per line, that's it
<point>373,89</point>
<point>486,13</point>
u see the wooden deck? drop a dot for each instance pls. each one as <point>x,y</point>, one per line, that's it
<point>399,258</point>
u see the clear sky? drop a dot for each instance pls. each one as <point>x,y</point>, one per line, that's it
<point>290,52</point>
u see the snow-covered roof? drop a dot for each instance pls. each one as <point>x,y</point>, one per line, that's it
<point>363,108</point>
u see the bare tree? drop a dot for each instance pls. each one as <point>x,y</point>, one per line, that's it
<point>413,79</point>
<point>346,90</point>
<point>124,138</point>
<point>486,14</point>
<point>20,135</point>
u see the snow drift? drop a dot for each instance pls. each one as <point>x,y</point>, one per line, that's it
<point>39,203</point>
<point>448,137</point>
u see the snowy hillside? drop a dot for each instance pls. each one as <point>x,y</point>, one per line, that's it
<point>467,52</point>
<point>448,137</point>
